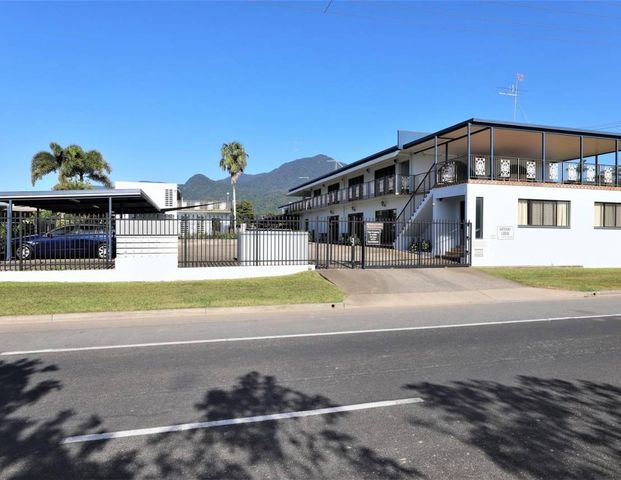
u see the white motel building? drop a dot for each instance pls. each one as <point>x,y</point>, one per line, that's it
<point>533,194</point>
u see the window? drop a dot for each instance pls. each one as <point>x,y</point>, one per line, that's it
<point>543,213</point>
<point>607,215</point>
<point>478,230</point>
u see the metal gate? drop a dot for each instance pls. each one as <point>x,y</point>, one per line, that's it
<point>358,243</point>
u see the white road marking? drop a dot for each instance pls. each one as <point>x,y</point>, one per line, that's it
<point>237,421</point>
<point>302,335</point>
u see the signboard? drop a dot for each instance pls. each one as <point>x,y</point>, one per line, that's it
<point>505,232</point>
<point>373,233</point>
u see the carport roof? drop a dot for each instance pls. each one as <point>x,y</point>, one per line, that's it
<point>84,201</point>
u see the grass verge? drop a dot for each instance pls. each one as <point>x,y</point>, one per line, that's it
<point>46,298</point>
<point>567,278</point>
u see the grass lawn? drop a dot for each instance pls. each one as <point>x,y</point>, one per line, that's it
<point>40,298</point>
<point>568,278</point>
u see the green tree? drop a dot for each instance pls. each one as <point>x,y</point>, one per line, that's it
<point>76,168</point>
<point>245,211</point>
<point>233,159</point>
<point>44,163</point>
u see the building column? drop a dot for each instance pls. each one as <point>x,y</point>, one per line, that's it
<point>468,147</point>
<point>616,162</point>
<point>543,157</point>
<point>491,153</point>
<point>581,158</point>
<point>597,169</point>
<point>435,157</point>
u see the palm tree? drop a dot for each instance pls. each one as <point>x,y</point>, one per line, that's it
<point>233,159</point>
<point>83,166</point>
<point>73,165</point>
<point>44,163</point>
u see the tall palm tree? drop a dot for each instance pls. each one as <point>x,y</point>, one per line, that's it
<point>73,165</point>
<point>44,163</point>
<point>233,159</point>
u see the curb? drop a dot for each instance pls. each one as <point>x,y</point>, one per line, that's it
<point>155,314</point>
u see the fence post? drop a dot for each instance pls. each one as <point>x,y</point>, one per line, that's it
<point>21,240</point>
<point>363,243</point>
<point>9,230</point>
<point>109,229</point>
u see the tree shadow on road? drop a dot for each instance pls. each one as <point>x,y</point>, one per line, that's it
<point>294,448</point>
<point>305,448</point>
<point>536,428</point>
<point>32,449</point>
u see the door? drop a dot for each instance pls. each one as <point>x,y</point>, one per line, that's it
<point>388,217</point>
<point>333,229</point>
<point>385,180</point>
<point>355,226</point>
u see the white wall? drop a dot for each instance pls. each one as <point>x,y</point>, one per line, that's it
<point>580,244</point>
<point>272,247</point>
<point>148,252</point>
<point>156,191</point>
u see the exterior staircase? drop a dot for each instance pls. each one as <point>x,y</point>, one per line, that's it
<point>424,184</point>
<point>455,254</point>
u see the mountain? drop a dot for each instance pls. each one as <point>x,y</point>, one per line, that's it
<point>266,191</point>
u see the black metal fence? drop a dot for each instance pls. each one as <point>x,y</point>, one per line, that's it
<point>71,242</point>
<point>32,242</point>
<point>388,244</point>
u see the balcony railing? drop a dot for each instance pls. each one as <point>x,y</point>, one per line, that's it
<point>391,185</point>
<point>515,169</point>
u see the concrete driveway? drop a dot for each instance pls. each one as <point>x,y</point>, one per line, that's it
<point>432,286</point>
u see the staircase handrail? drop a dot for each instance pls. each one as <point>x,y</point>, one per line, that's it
<point>426,185</point>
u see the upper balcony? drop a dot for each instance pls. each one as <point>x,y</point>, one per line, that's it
<point>390,185</point>
<point>529,170</point>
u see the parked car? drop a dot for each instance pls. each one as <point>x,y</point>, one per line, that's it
<point>74,241</point>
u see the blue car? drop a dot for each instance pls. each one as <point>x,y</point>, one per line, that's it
<point>75,241</point>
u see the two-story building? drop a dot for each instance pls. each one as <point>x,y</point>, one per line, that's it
<point>533,194</point>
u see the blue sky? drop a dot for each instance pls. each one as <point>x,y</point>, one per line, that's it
<point>158,87</point>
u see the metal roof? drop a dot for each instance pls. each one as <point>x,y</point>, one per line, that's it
<point>457,126</point>
<point>82,201</point>
<point>514,125</point>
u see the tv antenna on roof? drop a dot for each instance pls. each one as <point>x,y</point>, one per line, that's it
<point>514,91</point>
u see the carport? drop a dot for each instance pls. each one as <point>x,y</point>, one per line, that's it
<point>98,202</point>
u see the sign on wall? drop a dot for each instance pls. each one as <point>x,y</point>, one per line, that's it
<point>373,233</point>
<point>504,232</point>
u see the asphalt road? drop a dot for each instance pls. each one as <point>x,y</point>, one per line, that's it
<point>535,399</point>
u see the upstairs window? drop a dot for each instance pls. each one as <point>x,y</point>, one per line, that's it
<point>543,213</point>
<point>607,215</point>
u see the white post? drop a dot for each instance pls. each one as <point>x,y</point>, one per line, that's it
<point>234,210</point>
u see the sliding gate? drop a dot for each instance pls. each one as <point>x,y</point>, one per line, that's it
<point>357,243</point>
